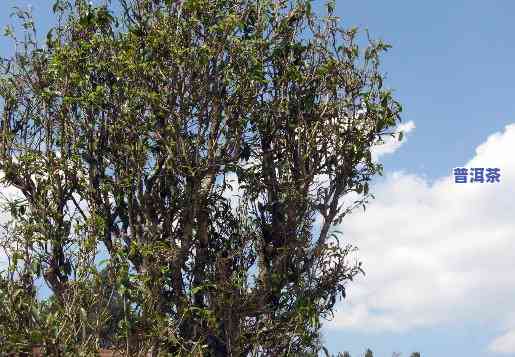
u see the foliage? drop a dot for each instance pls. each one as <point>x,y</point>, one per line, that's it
<point>123,133</point>
<point>369,352</point>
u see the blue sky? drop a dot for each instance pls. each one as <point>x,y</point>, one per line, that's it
<point>451,66</point>
<point>448,249</point>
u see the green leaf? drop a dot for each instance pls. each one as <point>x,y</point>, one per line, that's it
<point>331,4</point>
<point>8,31</point>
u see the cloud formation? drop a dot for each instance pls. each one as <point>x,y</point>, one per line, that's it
<point>392,143</point>
<point>504,344</point>
<point>437,252</point>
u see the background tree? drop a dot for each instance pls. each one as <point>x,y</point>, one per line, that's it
<point>370,353</point>
<point>130,132</point>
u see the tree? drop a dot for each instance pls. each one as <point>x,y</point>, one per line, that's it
<point>369,353</point>
<point>128,135</point>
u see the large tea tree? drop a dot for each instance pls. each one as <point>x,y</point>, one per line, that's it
<point>172,158</point>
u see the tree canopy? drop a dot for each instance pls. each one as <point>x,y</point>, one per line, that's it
<point>180,166</point>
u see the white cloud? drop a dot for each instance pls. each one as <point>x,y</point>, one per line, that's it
<point>504,344</point>
<point>437,252</point>
<point>6,193</point>
<point>392,144</point>
<point>235,191</point>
